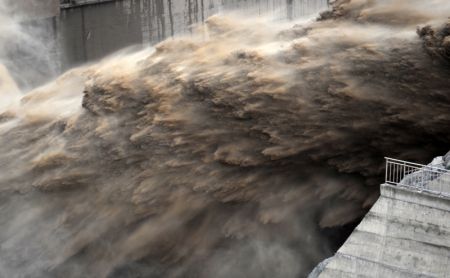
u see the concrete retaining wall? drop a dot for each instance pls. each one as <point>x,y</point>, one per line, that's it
<point>405,234</point>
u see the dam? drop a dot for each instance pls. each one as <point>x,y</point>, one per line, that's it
<point>74,32</point>
<point>91,29</point>
<point>151,139</point>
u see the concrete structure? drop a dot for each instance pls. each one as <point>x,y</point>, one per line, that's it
<point>92,29</point>
<point>405,234</point>
<point>65,33</point>
<point>79,31</point>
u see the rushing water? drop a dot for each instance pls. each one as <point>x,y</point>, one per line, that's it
<point>239,153</point>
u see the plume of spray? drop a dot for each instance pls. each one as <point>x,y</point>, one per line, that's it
<point>225,154</point>
<point>27,46</point>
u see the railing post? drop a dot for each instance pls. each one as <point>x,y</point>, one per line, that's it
<point>404,171</point>
<point>386,171</point>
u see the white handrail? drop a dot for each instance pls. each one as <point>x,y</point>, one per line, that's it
<point>432,178</point>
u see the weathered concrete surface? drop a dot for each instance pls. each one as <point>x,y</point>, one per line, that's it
<point>441,184</point>
<point>405,234</point>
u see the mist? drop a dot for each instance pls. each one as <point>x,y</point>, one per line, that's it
<point>27,45</point>
<point>241,150</point>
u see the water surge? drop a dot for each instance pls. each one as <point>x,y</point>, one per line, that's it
<point>229,153</point>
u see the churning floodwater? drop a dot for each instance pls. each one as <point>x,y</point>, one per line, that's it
<point>239,150</point>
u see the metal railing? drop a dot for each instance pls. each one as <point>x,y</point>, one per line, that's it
<point>431,178</point>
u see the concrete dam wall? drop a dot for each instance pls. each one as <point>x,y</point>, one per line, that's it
<point>89,32</point>
<point>61,34</point>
